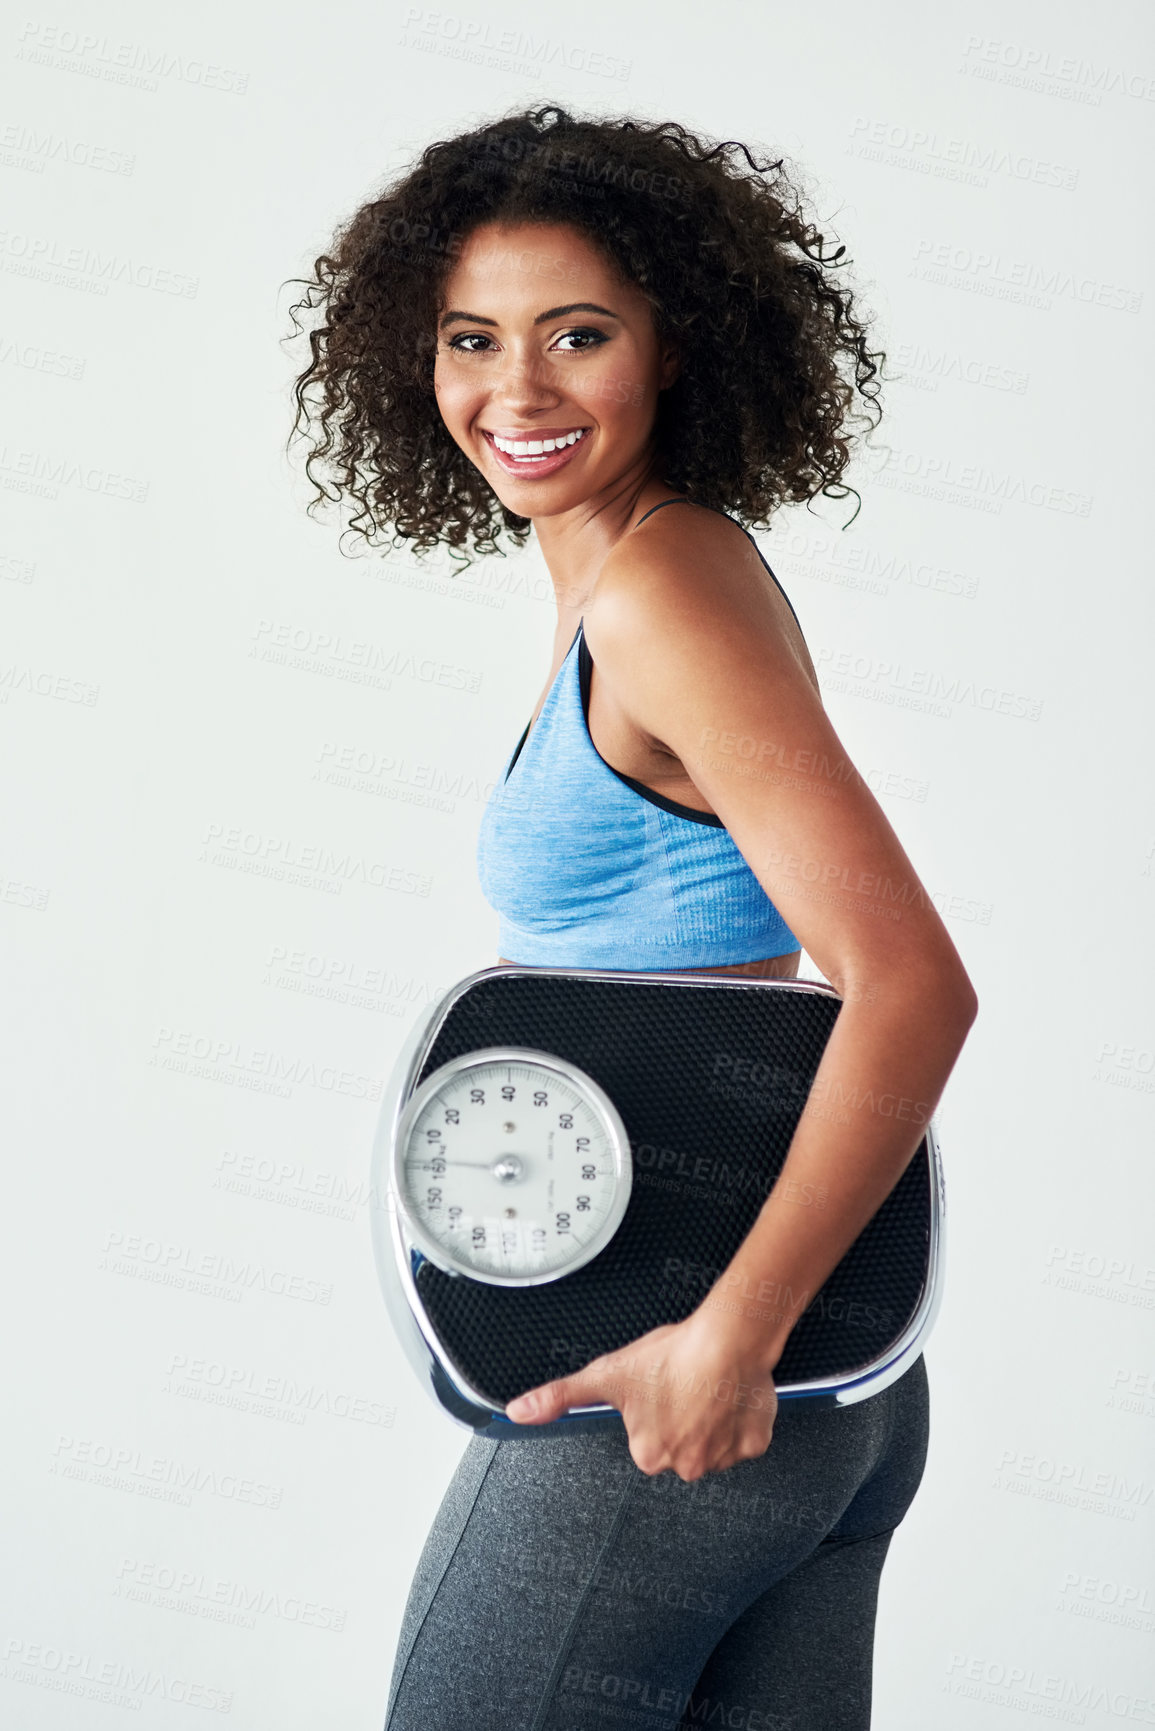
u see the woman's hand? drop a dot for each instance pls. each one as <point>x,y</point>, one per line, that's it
<point>693,1397</point>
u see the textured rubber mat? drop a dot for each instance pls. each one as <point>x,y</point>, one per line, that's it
<point>710,1082</point>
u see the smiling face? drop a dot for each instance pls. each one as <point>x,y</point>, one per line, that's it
<point>548,367</point>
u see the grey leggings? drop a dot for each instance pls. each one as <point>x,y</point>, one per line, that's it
<point>562,1589</point>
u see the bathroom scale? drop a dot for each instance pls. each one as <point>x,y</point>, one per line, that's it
<point>568,1158</point>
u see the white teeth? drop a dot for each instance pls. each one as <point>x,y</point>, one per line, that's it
<point>532,448</point>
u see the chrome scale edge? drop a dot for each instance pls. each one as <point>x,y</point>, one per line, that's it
<point>397,1258</point>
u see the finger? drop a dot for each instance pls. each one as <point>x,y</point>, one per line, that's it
<point>548,1401</point>
<point>604,1379</point>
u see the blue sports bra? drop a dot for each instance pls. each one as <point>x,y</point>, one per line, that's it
<point>588,868</point>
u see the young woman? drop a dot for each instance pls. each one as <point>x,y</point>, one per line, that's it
<point>613,335</point>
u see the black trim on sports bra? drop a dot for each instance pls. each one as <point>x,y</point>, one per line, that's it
<point>529,723</point>
<point>585,667</point>
<point>517,751</point>
<point>658,506</point>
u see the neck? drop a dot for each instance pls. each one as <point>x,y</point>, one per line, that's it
<point>576,543</point>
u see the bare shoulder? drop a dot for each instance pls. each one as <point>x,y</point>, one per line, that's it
<point>691,579</point>
<point>700,653</point>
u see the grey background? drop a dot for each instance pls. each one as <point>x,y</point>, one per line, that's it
<point>191,1299</point>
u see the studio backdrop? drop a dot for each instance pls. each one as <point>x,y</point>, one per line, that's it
<point>244,771</point>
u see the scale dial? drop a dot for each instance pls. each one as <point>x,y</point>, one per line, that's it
<point>511,1166</point>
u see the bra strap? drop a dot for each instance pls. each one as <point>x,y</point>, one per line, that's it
<point>658,507</point>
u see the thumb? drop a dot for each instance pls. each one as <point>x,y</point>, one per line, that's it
<point>548,1401</point>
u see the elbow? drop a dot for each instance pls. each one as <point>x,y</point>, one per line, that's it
<point>969,1005</point>
<point>944,980</point>
<point>958,987</point>
<point>957,1000</point>
<point>941,988</point>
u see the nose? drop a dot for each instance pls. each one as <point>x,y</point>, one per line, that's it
<point>524,382</point>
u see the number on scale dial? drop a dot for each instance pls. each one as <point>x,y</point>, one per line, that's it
<point>511,1166</point>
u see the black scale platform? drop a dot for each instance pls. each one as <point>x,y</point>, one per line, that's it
<point>706,1152</point>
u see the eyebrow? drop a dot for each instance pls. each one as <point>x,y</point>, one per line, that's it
<point>553,313</point>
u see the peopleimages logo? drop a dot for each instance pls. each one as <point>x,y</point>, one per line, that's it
<point>1031,1689</point>
<point>474,39</point>
<point>1016,279</point>
<point>38,254</point>
<point>113,1682</point>
<point>121,1467</point>
<point>845,670</point>
<point>1030,67</point>
<point>124,1250</point>
<point>990,489</point>
<point>134,63</point>
<point>925,151</point>
<point>813,554</point>
<point>929,365</point>
<point>362,662</point>
<point>208,1379</point>
<point>225,1060</point>
<point>38,148</point>
<point>312,865</point>
<point>220,1598</point>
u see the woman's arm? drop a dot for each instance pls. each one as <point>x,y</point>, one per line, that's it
<point>695,647</point>
<point>703,655</point>
<point>881,1076</point>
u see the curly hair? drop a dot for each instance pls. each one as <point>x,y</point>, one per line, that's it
<point>771,347</point>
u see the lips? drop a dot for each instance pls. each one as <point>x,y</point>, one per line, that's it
<point>535,467</point>
<point>523,435</point>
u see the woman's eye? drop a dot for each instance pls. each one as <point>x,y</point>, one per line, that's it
<point>591,339</point>
<point>596,336</point>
